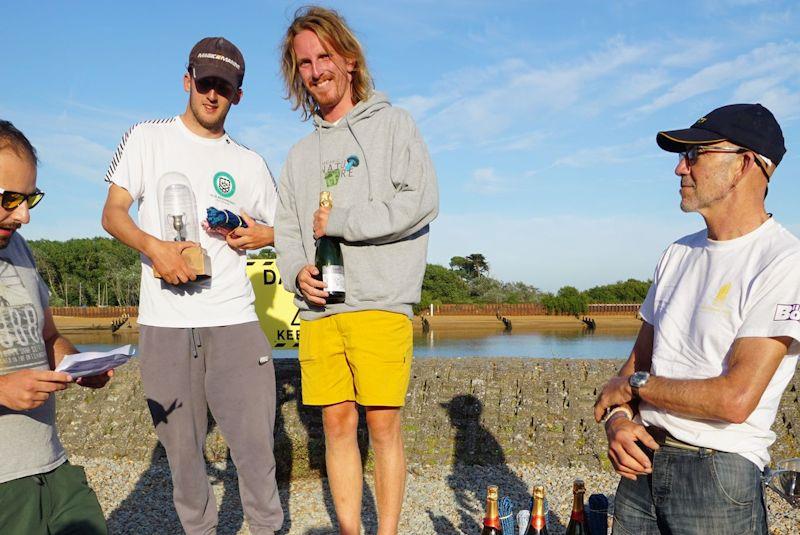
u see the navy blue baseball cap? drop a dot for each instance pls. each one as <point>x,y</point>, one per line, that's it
<point>751,126</point>
<point>217,57</point>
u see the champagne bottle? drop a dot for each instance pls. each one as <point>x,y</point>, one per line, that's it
<point>577,524</point>
<point>329,260</point>
<point>538,523</point>
<point>491,522</point>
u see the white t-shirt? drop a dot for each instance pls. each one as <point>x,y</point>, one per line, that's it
<point>705,295</point>
<point>222,174</point>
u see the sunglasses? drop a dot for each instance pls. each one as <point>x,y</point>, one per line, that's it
<point>10,200</point>
<point>692,153</point>
<point>204,85</point>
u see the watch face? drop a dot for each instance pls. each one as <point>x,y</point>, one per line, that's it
<point>639,379</point>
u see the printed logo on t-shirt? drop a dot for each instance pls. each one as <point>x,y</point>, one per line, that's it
<point>719,303</point>
<point>21,342</point>
<point>787,313</point>
<point>224,184</point>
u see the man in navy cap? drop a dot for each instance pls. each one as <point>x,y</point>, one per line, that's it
<point>200,342</point>
<point>688,417</point>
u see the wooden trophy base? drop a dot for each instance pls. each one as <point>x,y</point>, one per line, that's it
<point>197,259</point>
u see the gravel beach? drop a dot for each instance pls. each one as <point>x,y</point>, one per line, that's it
<point>136,497</point>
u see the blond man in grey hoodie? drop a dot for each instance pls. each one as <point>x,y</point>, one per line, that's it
<point>372,159</point>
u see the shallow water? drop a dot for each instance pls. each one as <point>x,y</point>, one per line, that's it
<point>553,343</point>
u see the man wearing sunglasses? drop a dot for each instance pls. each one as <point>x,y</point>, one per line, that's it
<point>200,343</point>
<point>40,491</point>
<point>689,415</point>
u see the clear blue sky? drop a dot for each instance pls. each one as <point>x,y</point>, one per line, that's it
<point>540,116</point>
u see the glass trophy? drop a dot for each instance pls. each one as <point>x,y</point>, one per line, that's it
<point>785,480</point>
<point>179,222</point>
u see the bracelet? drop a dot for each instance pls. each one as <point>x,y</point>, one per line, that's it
<point>618,408</point>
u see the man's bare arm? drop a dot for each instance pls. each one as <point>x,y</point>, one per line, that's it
<point>641,355</point>
<point>729,397</point>
<point>165,256</point>
<point>640,359</point>
<point>623,434</point>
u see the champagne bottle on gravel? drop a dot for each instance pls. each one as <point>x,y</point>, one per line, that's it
<point>577,523</point>
<point>491,522</point>
<point>538,522</point>
<point>329,260</point>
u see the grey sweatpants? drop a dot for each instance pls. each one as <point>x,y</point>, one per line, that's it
<point>184,371</point>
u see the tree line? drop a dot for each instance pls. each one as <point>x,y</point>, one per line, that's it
<point>103,271</point>
<point>467,281</point>
<point>88,271</point>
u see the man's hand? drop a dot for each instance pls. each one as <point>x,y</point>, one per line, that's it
<point>321,221</point>
<point>312,289</point>
<point>627,457</point>
<point>255,236</point>
<point>28,389</point>
<point>167,260</point>
<point>616,392</point>
<point>96,381</point>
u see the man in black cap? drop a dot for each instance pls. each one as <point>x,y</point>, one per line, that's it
<point>200,342</point>
<point>688,417</point>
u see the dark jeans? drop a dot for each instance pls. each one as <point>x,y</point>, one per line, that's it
<point>692,492</point>
<point>59,502</point>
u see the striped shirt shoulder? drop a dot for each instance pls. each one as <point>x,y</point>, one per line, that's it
<point>255,154</point>
<point>121,147</point>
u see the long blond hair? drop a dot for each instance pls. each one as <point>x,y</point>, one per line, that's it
<point>332,31</point>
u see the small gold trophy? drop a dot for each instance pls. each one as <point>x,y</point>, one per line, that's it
<point>179,221</point>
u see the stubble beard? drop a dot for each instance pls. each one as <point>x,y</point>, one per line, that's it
<point>707,197</point>
<point>6,240</point>
<point>212,126</point>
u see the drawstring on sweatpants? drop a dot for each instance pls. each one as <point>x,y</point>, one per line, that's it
<point>197,342</point>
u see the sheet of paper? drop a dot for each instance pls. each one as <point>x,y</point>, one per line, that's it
<point>95,362</point>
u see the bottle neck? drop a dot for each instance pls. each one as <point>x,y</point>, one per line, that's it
<point>537,513</point>
<point>577,506</point>
<point>492,518</point>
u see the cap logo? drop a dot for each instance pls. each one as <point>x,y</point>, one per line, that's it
<point>219,57</point>
<point>701,120</point>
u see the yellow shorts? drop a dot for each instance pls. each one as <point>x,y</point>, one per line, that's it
<point>356,356</point>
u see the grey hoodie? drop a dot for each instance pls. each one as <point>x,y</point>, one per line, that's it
<point>381,178</point>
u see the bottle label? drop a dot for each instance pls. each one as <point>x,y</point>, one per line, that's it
<point>493,522</point>
<point>333,276</point>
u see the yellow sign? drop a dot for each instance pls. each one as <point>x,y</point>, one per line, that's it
<point>274,305</point>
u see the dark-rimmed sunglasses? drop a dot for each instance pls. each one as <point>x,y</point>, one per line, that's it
<point>692,153</point>
<point>220,86</point>
<point>10,200</point>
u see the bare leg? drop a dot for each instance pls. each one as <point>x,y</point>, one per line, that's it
<point>390,465</point>
<point>343,463</point>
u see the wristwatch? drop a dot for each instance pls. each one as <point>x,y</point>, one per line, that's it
<point>637,381</point>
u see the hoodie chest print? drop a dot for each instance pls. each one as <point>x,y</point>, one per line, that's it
<point>333,170</point>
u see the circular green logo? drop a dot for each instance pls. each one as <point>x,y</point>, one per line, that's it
<point>224,184</point>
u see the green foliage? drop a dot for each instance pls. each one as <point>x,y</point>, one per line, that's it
<point>462,285</point>
<point>568,300</point>
<point>89,271</point>
<point>441,285</point>
<point>629,291</point>
<point>268,253</point>
<point>470,266</point>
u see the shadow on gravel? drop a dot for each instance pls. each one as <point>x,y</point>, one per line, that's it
<point>289,391</point>
<point>477,455</point>
<point>148,509</point>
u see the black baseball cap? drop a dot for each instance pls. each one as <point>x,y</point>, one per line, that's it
<point>218,57</point>
<point>751,126</point>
